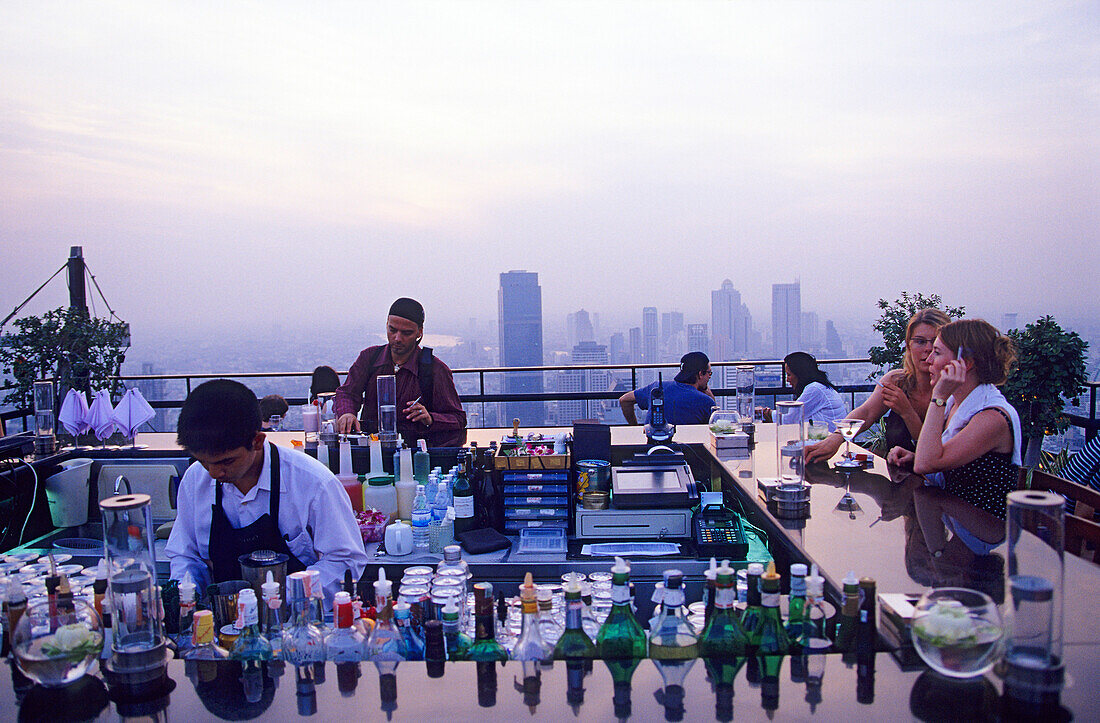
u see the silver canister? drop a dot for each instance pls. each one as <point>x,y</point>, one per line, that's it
<point>593,475</point>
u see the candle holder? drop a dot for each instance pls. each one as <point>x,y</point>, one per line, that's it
<point>1033,666</point>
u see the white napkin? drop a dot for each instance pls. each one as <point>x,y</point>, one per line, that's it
<point>132,412</point>
<point>74,413</point>
<point>100,415</point>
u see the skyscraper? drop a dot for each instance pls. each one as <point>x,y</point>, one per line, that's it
<point>589,380</point>
<point>579,328</point>
<point>786,318</point>
<point>730,324</point>
<point>672,323</point>
<point>519,307</point>
<point>636,353</point>
<point>697,337</point>
<point>833,347</point>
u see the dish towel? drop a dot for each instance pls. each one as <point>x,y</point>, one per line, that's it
<point>100,415</point>
<point>132,412</point>
<point>74,413</point>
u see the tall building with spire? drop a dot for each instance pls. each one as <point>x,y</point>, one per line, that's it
<point>519,308</point>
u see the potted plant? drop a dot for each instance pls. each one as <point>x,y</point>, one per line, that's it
<point>1050,369</point>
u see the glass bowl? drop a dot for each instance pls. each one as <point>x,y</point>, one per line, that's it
<point>56,643</point>
<point>725,421</point>
<point>957,631</point>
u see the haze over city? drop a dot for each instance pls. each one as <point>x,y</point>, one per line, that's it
<point>273,163</point>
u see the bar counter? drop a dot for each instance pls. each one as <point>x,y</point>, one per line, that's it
<point>891,550</point>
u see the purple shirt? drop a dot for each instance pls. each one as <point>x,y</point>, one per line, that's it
<point>360,390</point>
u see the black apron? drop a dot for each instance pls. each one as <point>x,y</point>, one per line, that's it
<point>227,543</point>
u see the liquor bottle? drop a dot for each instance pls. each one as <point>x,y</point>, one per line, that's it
<point>492,511</point>
<point>202,645</point>
<point>187,610</point>
<point>485,647</point>
<point>402,618</point>
<point>421,518</point>
<point>201,654</point>
<point>422,462</point>
<point>317,603</point>
<point>549,626</point>
<point>574,643</point>
<point>530,646</point>
<point>621,635</point>
<point>710,577</point>
<point>866,636</point>
<point>250,645</point>
<point>386,645</point>
<point>723,635</point>
<point>815,639</point>
<point>463,496</point>
<point>672,636</point>
<point>272,615</point>
<point>769,637</point>
<point>849,614</point>
<point>589,624</point>
<point>303,643</point>
<point>796,604</point>
<point>622,670</point>
<point>753,610</point>
<point>435,648</point>
<point>344,644</point>
<point>458,642</point>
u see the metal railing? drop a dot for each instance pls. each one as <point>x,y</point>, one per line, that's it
<point>1089,423</point>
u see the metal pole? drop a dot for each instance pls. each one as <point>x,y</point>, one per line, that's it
<point>77,296</point>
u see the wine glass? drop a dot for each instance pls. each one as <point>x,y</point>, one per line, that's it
<point>848,429</point>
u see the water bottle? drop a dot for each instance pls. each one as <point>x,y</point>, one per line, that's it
<point>441,502</point>
<point>421,517</point>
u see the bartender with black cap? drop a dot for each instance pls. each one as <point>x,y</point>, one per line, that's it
<point>426,394</point>
<point>245,494</point>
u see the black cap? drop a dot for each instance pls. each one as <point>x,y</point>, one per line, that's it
<point>410,309</point>
<point>691,364</point>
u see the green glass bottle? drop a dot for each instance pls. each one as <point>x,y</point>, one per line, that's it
<point>622,670</point>
<point>797,604</point>
<point>574,643</point>
<point>621,635</point>
<point>769,637</point>
<point>672,637</point>
<point>485,648</point>
<point>723,636</point>
<point>751,617</point>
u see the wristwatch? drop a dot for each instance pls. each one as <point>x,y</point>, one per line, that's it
<point>939,402</point>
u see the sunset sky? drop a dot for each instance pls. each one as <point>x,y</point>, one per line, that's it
<point>227,161</point>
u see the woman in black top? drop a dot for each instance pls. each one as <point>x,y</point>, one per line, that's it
<point>901,396</point>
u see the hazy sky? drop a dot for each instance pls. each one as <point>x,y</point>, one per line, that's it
<point>226,161</point>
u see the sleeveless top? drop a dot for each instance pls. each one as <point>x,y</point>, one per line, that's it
<point>986,481</point>
<point>897,433</point>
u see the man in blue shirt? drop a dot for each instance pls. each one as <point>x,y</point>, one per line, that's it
<point>688,399</point>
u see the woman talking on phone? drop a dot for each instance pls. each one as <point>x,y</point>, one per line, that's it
<point>969,446</point>
<point>901,395</point>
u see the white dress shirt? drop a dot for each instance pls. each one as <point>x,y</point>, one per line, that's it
<point>821,404</point>
<point>310,497</point>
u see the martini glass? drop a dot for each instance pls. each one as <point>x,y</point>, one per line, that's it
<point>848,429</point>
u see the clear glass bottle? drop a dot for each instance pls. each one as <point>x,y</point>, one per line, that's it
<point>386,643</point>
<point>272,623</point>
<point>530,645</point>
<point>187,611</point>
<point>203,646</point>
<point>344,644</point>
<point>317,592</point>
<point>589,623</point>
<point>621,635</point>
<point>414,644</point>
<point>485,647</point>
<point>672,636</point>
<point>250,645</point>
<point>303,642</point>
<point>457,642</point>
<point>549,626</point>
<point>723,636</point>
<point>574,642</point>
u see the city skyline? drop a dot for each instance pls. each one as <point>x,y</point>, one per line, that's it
<point>247,164</point>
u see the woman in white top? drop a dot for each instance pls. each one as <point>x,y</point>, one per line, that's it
<point>821,402</point>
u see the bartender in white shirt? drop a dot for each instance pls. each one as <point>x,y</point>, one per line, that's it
<point>245,494</point>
